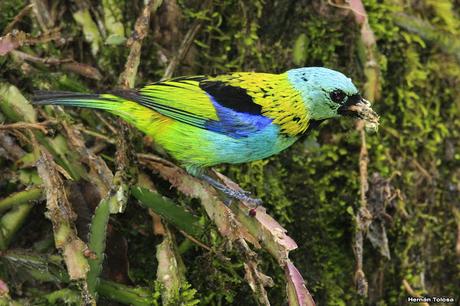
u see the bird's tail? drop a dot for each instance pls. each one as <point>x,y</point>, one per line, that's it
<point>99,101</point>
<point>118,103</point>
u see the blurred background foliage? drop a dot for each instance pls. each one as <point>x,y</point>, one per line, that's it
<point>312,189</point>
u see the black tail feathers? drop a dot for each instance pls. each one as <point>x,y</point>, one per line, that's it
<point>42,97</point>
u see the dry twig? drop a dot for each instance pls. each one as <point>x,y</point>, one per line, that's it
<point>66,64</point>
<point>185,45</point>
<point>43,14</point>
<point>128,76</point>
<point>17,18</point>
<point>16,39</point>
<point>99,172</point>
<point>14,152</point>
<point>372,87</point>
<point>62,217</point>
<point>24,125</point>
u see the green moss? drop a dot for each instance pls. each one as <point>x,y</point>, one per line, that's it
<point>312,188</point>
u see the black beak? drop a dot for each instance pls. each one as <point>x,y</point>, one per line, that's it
<point>358,107</point>
<point>346,109</point>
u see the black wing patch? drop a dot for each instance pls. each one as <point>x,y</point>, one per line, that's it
<point>235,98</point>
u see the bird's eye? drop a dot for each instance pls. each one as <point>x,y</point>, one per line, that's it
<point>337,96</point>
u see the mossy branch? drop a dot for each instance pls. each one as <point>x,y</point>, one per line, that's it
<point>62,217</point>
<point>273,238</point>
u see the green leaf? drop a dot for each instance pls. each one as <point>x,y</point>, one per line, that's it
<point>90,30</point>
<point>128,295</point>
<point>112,18</point>
<point>115,39</point>
<point>299,53</point>
<point>97,243</point>
<point>15,105</point>
<point>172,213</point>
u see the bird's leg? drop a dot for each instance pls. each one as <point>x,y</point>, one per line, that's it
<point>239,195</point>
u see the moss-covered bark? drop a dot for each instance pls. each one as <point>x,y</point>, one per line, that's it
<point>312,189</point>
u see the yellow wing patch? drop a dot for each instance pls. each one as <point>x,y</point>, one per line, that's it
<point>185,95</point>
<point>279,100</point>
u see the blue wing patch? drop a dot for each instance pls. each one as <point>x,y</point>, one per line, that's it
<point>235,124</point>
<point>235,119</point>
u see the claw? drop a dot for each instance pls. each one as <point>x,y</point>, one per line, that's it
<point>228,202</point>
<point>254,201</point>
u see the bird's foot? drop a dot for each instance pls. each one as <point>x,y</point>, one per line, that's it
<point>243,196</point>
<point>235,194</point>
<point>247,193</point>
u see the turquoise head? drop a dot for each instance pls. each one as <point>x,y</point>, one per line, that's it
<point>328,94</point>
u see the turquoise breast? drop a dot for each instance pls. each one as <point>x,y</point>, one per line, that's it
<point>258,145</point>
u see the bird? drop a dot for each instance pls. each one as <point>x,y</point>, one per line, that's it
<point>202,121</point>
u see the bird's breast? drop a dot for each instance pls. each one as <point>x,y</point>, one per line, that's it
<point>267,142</point>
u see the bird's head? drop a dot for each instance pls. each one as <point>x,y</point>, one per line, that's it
<point>328,94</point>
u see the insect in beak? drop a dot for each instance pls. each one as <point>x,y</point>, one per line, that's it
<point>358,107</point>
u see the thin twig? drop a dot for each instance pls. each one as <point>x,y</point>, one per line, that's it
<point>39,60</point>
<point>363,162</point>
<point>363,217</point>
<point>96,134</point>
<point>24,125</point>
<point>41,11</point>
<point>16,39</point>
<point>127,80</point>
<point>17,18</point>
<point>186,44</point>
<point>106,122</point>
<point>67,64</point>
<point>422,170</point>
<point>8,143</point>
<point>128,76</point>
<point>204,246</point>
